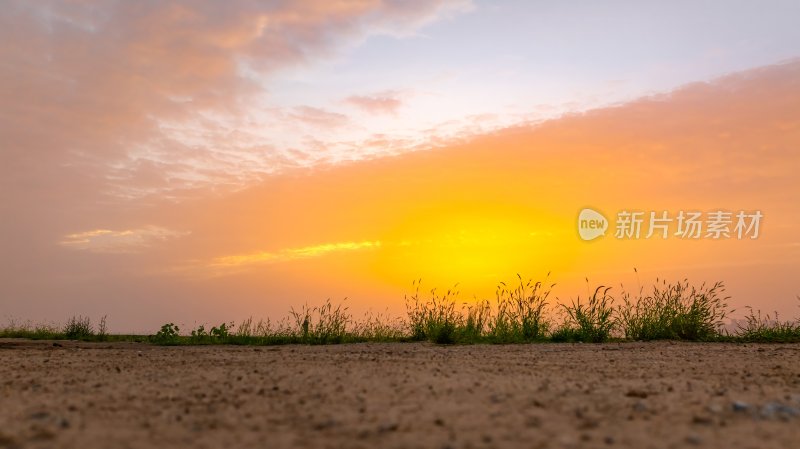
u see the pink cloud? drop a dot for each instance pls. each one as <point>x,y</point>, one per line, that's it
<point>387,102</point>
<point>103,79</point>
<point>318,117</point>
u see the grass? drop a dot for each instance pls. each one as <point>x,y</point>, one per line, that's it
<point>592,321</point>
<point>766,328</point>
<point>78,328</point>
<point>521,313</point>
<point>676,311</point>
<point>437,319</point>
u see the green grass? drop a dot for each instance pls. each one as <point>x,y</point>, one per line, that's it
<point>766,328</point>
<point>674,311</point>
<point>592,321</point>
<point>521,313</point>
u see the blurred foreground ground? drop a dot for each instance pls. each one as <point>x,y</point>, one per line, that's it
<point>400,395</point>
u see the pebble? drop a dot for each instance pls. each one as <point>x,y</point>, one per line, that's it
<point>739,406</point>
<point>777,409</point>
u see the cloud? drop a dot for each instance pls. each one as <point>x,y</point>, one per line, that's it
<point>318,117</point>
<point>387,102</point>
<point>126,241</point>
<point>109,89</point>
<point>293,253</point>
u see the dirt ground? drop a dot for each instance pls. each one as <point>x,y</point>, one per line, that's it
<point>631,395</point>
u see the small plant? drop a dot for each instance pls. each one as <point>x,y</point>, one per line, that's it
<point>378,327</point>
<point>435,320</point>
<point>168,334</point>
<point>199,335</point>
<point>766,328</point>
<point>521,313</point>
<point>78,328</point>
<point>102,329</point>
<point>28,330</point>
<point>674,311</point>
<point>476,321</point>
<point>591,321</point>
<point>417,313</point>
<point>322,325</point>
<point>221,332</point>
<point>245,330</point>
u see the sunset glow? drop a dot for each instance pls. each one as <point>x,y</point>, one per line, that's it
<point>197,160</point>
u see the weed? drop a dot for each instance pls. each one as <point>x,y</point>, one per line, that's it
<point>321,325</point>
<point>168,334</point>
<point>222,331</point>
<point>591,321</point>
<point>477,319</point>
<point>767,328</point>
<point>102,329</point>
<point>378,327</point>
<point>520,313</point>
<point>78,328</point>
<point>674,311</point>
<point>436,319</point>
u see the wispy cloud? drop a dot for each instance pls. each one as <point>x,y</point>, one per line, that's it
<point>125,241</point>
<point>318,117</point>
<point>293,253</point>
<point>387,102</point>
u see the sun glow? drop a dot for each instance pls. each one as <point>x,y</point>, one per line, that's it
<point>479,248</point>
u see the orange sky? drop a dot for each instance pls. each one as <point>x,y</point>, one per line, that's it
<point>474,213</point>
<point>108,210</point>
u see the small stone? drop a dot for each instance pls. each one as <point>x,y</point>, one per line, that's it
<point>739,406</point>
<point>776,408</point>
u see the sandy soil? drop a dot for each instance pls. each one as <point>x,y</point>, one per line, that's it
<point>635,395</point>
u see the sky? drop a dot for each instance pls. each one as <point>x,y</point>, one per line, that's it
<point>202,161</point>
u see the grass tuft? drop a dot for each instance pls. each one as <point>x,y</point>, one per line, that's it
<point>322,325</point>
<point>766,328</point>
<point>591,322</point>
<point>674,311</point>
<point>78,328</point>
